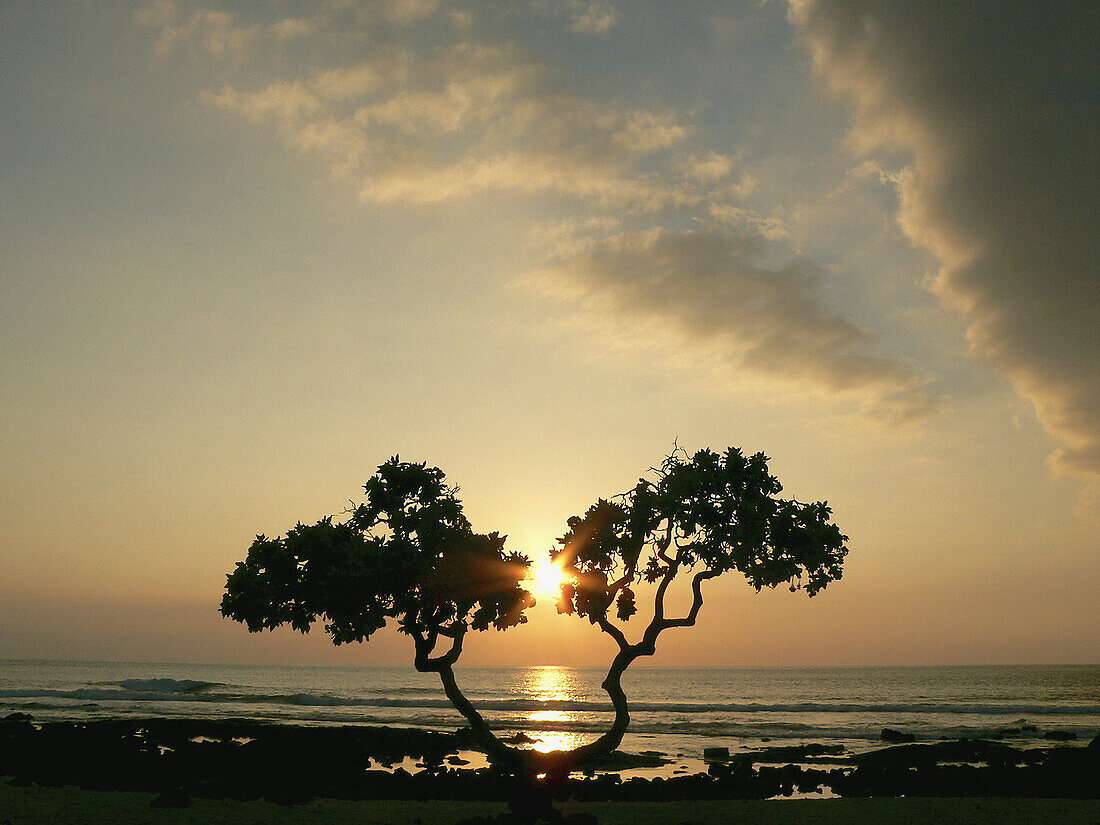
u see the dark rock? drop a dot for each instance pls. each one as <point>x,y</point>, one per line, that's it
<point>17,717</point>
<point>432,761</point>
<point>960,750</point>
<point>621,761</point>
<point>1060,735</point>
<point>716,753</point>
<point>811,780</point>
<point>520,738</point>
<point>793,753</point>
<point>896,736</point>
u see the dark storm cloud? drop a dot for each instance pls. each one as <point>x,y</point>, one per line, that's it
<point>998,104</point>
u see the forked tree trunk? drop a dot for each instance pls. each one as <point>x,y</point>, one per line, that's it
<point>558,764</point>
<point>534,801</point>
<point>539,776</point>
<point>533,763</point>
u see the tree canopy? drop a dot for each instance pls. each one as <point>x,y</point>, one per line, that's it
<point>710,513</point>
<point>407,553</point>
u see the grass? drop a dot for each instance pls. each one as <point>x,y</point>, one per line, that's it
<point>34,805</point>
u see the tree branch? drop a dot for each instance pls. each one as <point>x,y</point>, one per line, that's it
<point>609,741</point>
<point>615,633</point>
<point>496,750</point>
<point>663,545</point>
<point>662,588</point>
<point>452,631</point>
<point>619,584</point>
<point>425,647</point>
<point>443,665</point>
<point>696,602</point>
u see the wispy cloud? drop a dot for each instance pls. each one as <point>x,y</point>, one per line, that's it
<point>999,109</point>
<point>710,291</point>
<point>581,16</point>
<point>215,32</point>
<point>463,120</point>
<point>591,16</point>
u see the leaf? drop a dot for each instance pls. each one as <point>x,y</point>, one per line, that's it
<point>565,601</point>
<point>625,604</point>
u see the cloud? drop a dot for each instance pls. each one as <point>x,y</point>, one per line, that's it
<point>997,104</point>
<point>518,171</point>
<point>408,11</point>
<point>215,32</point>
<point>436,113</point>
<point>712,166</point>
<point>773,227</point>
<point>710,291</point>
<point>591,16</point>
<point>582,16</point>
<point>467,119</point>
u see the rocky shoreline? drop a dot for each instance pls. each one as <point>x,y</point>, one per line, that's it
<point>183,759</point>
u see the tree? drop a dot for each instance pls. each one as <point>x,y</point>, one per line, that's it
<point>408,554</point>
<point>704,516</point>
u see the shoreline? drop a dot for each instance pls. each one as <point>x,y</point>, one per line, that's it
<point>742,709</point>
<point>188,760</point>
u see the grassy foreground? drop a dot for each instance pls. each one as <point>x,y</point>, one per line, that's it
<point>73,806</point>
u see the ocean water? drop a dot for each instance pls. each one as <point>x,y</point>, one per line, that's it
<point>677,711</point>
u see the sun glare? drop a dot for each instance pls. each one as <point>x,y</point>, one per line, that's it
<point>544,579</point>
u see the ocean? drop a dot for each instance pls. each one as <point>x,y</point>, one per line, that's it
<point>676,711</point>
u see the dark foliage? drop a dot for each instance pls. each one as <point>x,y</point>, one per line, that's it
<point>407,554</point>
<point>711,514</point>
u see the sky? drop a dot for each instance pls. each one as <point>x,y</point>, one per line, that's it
<point>252,250</point>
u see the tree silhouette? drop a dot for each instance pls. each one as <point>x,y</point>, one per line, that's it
<point>409,554</point>
<point>703,516</point>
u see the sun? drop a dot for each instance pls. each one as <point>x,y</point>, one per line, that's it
<point>544,579</point>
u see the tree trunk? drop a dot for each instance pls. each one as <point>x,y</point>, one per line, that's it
<point>538,773</point>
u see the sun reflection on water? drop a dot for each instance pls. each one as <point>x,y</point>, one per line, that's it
<point>552,684</point>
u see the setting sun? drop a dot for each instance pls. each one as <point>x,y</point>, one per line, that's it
<point>544,578</point>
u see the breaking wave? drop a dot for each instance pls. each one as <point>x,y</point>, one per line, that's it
<point>167,685</point>
<point>189,690</point>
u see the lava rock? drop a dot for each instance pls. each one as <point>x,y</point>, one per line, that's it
<point>1060,735</point>
<point>896,736</point>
